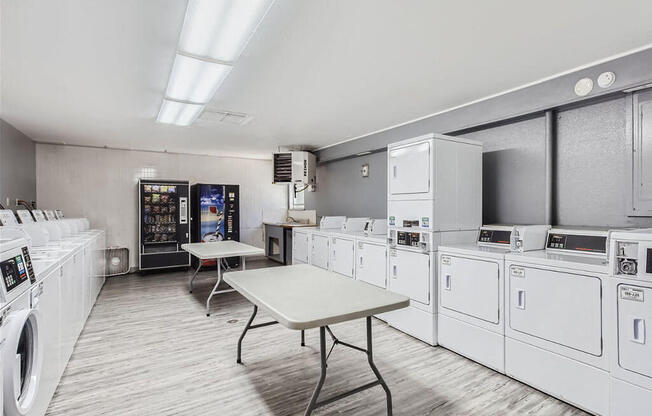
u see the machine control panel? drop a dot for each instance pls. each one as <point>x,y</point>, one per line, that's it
<point>577,243</point>
<point>183,210</point>
<point>24,216</point>
<point>14,272</point>
<point>49,215</point>
<point>494,236</point>
<point>7,217</point>
<point>405,238</point>
<point>38,215</point>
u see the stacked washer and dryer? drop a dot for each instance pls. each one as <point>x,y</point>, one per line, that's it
<point>68,264</point>
<point>434,191</point>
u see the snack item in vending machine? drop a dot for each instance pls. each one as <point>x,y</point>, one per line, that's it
<point>156,209</point>
<point>164,209</point>
<point>148,199</point>
<point>148,208</point>
<point>164,198</point>
<point>172,189</point>
<point>156,188</point>
<point>156,198</point>
<point>164,189</point>
<point>147,188</point>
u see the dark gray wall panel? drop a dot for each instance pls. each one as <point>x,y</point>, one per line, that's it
<point>631,70</point>
<point>341,189</point>
<point>513,172</point>
<point>592,170</point>
<point>17,165</point>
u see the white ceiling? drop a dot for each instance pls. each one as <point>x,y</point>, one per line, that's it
<point>315,73</point>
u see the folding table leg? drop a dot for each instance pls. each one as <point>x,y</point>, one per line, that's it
<point>303,338</point>
<point>253,315</point>
<point>375,370</point>
<point>322,354</point>
<point>214,291</point>
<point>195,274</point>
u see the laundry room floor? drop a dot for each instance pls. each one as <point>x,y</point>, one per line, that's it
<point>149,349</point>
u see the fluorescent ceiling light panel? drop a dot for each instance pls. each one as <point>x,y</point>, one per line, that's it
<point>195,80</point>
<point>181,114</point>
<point>220,29</point>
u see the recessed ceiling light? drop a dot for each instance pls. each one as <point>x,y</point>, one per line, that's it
<point>220,29</point>
<point>181,114</point>
<point>195,80</point>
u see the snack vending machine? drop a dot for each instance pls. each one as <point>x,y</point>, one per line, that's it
<point>164,223</point>
<point>215,216</point>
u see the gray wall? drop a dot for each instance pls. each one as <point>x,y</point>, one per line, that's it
<point>341,189</point>
<point>591,173</point>
<point>513,172</point>
<point>17,165</point>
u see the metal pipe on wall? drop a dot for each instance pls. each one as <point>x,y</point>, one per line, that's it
<point>551,141</point>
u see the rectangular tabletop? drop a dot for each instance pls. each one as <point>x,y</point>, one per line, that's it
<point>220,249</point>
<point>304,296</point>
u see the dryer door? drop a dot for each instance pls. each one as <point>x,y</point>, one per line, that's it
<point>409,274</point>
<point>635,329</point>
<point>319,256</point>
<point>342,254</point>
<point>471,287</point>
<point>22,361</point>
<point>409,169</point>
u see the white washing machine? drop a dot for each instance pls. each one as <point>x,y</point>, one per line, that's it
<point>23,352</point>
<point>371,253</point>
<point>555,329</point>
<point>320,241</point>
<point>471,291</point>
<point>342,246</point>
<point>630,321</point>
<point>301,244</point>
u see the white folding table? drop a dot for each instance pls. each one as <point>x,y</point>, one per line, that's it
<point>302,297</point>
<point>218,250</point>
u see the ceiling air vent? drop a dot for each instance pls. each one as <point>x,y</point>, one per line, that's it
<point>226,117</point>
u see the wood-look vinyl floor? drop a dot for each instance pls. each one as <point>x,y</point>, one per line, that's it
<point>149,349</point>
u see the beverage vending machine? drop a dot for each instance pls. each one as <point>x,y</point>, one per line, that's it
<point>164,223</point>
<point>215,216</point>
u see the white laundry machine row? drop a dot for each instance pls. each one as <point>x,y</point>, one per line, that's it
<point>555,329</point>
<point>471,290</point>
<point>69,274</point>
<point>434,197</point>
<point>630,322</point>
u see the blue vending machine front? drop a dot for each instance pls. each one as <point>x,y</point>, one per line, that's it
<point>215,210</point>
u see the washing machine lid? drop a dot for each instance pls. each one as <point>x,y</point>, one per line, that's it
<point>22,361</point>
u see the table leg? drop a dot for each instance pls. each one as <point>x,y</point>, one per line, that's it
<point>303,338</point>
<point>322,355</point>
<point>195,274</point>
<point>253,315</point>
<point>314,403</point>
<point>219,280</point>
<point>243,262</point>
<point>375,370</point>
<point>249,326</point>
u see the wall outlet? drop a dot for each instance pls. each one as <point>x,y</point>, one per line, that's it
<point>365,170</point>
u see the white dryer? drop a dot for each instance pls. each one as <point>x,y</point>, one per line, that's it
<point>471,316</point>
<point>630,321</point>
<point>342,246</point>
<point>320,241</point>
<point>301,244</point>
<point>23,352</point>
<point>555,329</point>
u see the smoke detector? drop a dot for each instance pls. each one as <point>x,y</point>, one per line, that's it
<point>226,117</point>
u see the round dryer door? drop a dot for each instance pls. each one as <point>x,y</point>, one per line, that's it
<point>22,361</point>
